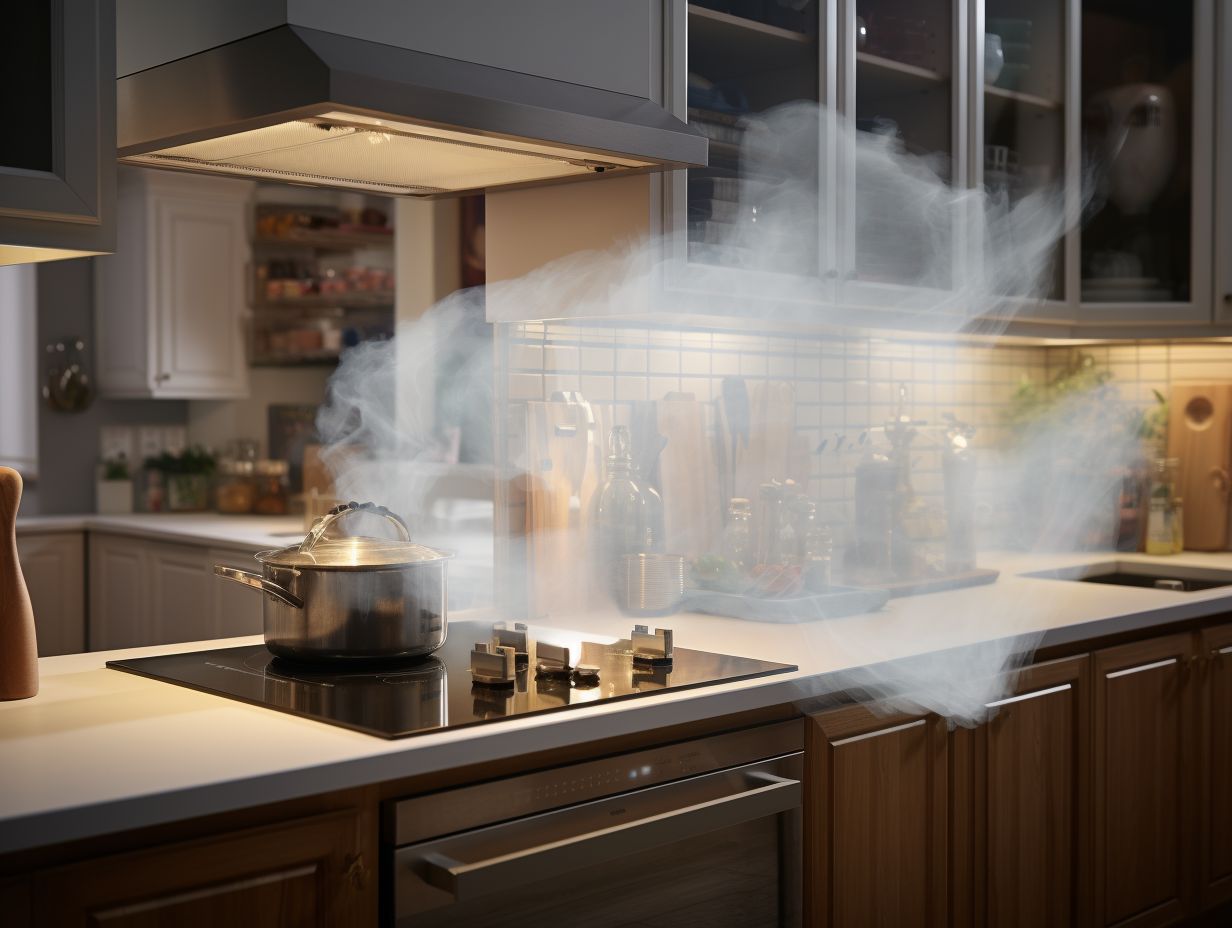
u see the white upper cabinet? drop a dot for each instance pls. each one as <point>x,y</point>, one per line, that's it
<point>57,148</point>
<point>170,304</point>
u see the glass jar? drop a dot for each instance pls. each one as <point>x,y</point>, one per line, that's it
<point>1164,531</point>
<point>272,498</point>
<point>737,540</point>
<point>815,543</point>
<point>235,490</point>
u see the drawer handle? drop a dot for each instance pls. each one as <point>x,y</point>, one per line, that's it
<point>769,795</point>
<point>1152,666</point>
<point>877,734</point>
<point>1023,697</point>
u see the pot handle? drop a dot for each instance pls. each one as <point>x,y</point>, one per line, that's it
<point>257,582</point>
<point>321,525</point>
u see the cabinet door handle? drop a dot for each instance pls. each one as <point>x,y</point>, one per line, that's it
<point>1220,652</point>
<point>162,377</point>
<point>1155,665</point>
<point>877,734</point>
<point>1023,697</point>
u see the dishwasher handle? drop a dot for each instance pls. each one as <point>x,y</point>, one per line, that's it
<point>770,795</point>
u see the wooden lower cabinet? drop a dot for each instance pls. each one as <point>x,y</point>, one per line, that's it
<point>877,820</point>
<point>311,872</point>
<point>1020,854</point>
<point>1216,750</point>
<point>1145,842</point>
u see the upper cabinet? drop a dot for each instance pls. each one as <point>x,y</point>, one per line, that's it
<point>1147,148</point>
<point>1107,107</point>
<point>1021,109</point>
<point>57,153</point>
<point>903,70</point>
<point>170,307</point>
<point>1223,178</point>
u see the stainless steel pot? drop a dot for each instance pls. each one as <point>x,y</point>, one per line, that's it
<point>351,599</point>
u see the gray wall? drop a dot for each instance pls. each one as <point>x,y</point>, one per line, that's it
<point>68,442</point>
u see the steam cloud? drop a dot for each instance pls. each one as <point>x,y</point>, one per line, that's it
<point>380,422</point>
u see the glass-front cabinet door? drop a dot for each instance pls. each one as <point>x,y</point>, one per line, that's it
<point>1147,146</point>
<point>760,203</point>
<point>1021,75</point>
<point>903,83</point>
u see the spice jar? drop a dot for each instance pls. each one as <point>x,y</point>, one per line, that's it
<point>272,498</point>
<point>236,490</point>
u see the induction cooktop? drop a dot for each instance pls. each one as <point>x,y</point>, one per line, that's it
<point>482,674</point>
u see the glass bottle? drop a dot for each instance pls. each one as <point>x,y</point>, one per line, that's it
<point>737,541</point>
<point>1164,533</point>
<point>771,498</point>
<point>816,545</point>
<point>619,513</point>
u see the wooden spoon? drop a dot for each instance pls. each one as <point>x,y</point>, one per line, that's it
<point>18,650</point>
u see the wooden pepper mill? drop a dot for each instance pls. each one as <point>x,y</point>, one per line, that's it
<point>18,649</point>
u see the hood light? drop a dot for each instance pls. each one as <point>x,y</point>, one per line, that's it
<point>381,156</point>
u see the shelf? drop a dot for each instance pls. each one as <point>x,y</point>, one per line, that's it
<point>900,68</point>
<point>752,29</point>
<point>1026,99</point>
<point>723,46</point>
<point>326,240</point>
<point>357,299</point>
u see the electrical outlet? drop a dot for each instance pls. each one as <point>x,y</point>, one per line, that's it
<point>116,441</point>
<point>149,441</point>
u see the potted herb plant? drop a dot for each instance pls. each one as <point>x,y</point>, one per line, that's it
<point>1082,453</point>
<point>186,478</point>
<point>113,490</point>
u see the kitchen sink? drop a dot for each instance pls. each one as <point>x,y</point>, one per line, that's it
<point>1176,579</point>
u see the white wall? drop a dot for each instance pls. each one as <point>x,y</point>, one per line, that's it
<point>19,369</point>
<point>214,423</point>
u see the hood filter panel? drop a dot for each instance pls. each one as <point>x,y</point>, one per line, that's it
<point>381,157</point>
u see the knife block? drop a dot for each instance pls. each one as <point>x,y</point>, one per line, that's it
<point>18,649</point>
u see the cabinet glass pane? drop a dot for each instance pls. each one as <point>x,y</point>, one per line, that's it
<point>746,57</point>
<point>1024,115</point>
<point>904,93</point>
<point>26,82</point>
<point>1137,121</point>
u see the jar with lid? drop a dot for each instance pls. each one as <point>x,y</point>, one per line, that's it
<point>272,498</point>
<point>235,489</point>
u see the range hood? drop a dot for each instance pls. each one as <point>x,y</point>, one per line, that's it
<point>307,106</point>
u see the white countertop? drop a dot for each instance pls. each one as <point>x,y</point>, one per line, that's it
<point>99,751</point>
<point>248,533</point>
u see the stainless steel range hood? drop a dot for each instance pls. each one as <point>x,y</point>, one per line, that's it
<point>307,106</point>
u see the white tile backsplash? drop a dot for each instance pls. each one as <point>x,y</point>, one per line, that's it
<point>844,386</point>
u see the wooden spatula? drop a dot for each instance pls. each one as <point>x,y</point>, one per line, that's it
<point>18,648</point>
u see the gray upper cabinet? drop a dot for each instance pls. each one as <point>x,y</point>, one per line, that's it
<point>1147,146</point>
<point>57,152</point>
<point>1223,176</point>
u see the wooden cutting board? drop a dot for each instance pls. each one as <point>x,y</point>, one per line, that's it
<point>1200,435</point>
<point>688,477</point>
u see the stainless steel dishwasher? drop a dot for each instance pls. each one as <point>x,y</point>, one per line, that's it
<point>705,832</point>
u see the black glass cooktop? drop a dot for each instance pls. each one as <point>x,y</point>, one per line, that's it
<point>436,692</point>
